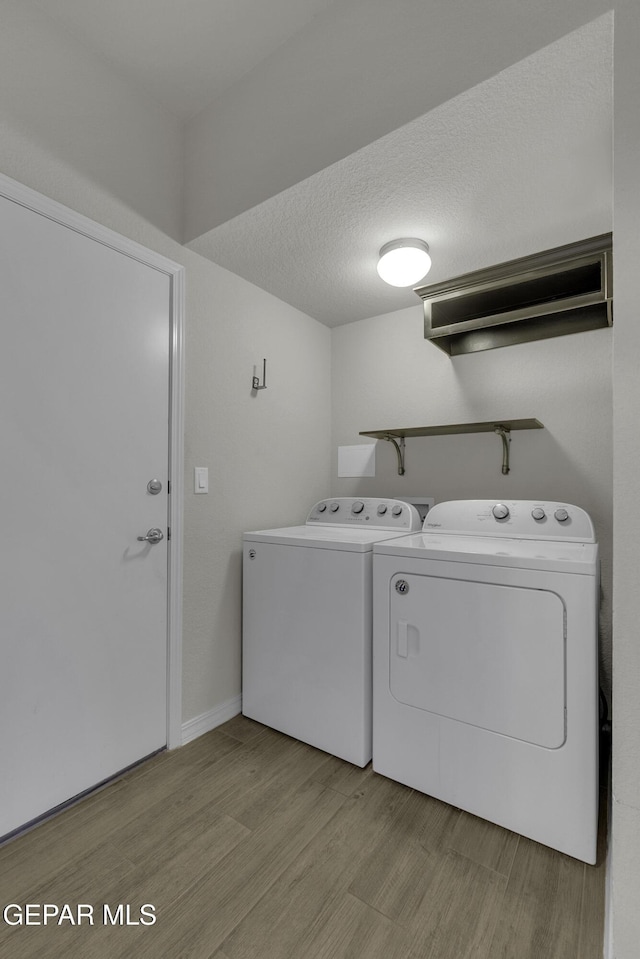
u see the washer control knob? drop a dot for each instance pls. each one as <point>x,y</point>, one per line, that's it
<point>335,507</point>
<point>538,513</point>
<point>396,511</point>
<point>382,509</point>
<point>561,515</point>
<point>500,511</point>
<point>357,507</point>
<point>322,507</point>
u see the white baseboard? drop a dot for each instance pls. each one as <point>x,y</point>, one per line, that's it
<point>199,725</point>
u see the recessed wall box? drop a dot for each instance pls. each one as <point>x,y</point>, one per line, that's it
<point>564,290</point>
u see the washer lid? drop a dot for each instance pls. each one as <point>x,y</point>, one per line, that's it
<point>485,550</point>
<point>355,539</point>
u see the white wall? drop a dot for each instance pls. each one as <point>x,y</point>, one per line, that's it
<point>625,858</point>
<point>267,452</point>
<point>59,100</point>
<point>268,455</point>
<point>386,375</point>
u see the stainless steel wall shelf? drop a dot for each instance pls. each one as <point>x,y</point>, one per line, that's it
<point>502,428</point>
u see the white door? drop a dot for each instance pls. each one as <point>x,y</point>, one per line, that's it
<point>84,424</point>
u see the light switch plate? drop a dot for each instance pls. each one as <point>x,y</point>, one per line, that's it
<point>201,479</point>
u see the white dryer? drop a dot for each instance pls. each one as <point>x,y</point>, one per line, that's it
<point>307,622</point>
<point>486,669</point>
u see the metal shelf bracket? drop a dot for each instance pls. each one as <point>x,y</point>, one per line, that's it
<point>505,435</point>
<point>399,447</point>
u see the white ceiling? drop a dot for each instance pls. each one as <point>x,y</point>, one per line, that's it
<point>517,164</point>
<point>186,53</point>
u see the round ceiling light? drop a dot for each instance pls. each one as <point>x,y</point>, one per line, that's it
<point>404,262</point>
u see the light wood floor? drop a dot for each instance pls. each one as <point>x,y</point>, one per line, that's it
<point>253,846</point>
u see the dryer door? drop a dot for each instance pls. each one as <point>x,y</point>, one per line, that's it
<point>489,655</point>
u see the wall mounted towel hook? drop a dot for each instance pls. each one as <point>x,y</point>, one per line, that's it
<point>255,383</point>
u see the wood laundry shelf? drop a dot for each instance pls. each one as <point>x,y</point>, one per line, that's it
<point>502,428</point>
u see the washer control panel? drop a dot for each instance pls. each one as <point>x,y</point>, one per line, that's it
<point>364,511</point>
<point>519,519</point>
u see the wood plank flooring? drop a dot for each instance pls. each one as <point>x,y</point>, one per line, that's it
<point>251,845</point>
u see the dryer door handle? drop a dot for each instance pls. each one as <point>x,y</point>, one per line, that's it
<point>408,639</point>
<point>403,638</point>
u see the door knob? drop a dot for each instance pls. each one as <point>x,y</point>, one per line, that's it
<point>153,536</point>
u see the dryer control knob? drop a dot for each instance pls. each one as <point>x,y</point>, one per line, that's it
<point>335,507</point>
<point>322,507</point>
<point>538,513</point>
<point>500,511</point>
<point>357,507</point>
<point>382,509</point>
<point>396,510</point>
<point>561,515</point>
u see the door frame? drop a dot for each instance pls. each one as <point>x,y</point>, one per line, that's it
<point>18,193</point>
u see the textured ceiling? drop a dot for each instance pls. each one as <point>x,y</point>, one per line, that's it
<point>515,165</point>
<point>185,53</point>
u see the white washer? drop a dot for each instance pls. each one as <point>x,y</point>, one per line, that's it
<point>307,622</point>
<point>485,666</point>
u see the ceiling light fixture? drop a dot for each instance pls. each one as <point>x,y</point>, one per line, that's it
<point>404,262</point>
